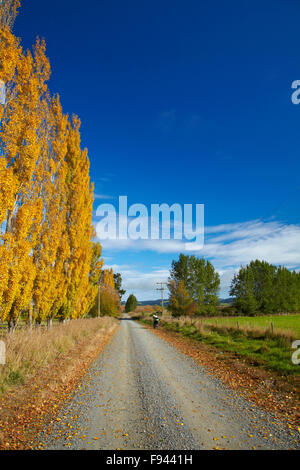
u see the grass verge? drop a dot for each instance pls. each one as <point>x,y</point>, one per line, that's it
<point>270,349</point>
<point>41,371</point>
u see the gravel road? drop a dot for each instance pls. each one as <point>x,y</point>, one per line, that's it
<point>141,393</point>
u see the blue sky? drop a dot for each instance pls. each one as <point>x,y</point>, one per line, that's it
<point>184,102</point>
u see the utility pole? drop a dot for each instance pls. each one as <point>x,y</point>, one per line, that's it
<point>162,288</point>
<point>99,288</point>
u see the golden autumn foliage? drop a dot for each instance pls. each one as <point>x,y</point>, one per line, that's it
<point>21,211</point>
<point>108,278</point>
<point>110,298</point>
<point>49,265</point>
<point>180,302</point>
<point>110,302</point>
<point>79,223</point>
<point>52,248</point>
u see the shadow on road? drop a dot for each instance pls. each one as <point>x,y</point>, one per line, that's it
<point>128,318</point>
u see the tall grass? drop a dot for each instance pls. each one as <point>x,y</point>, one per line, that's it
<point>28,351</point>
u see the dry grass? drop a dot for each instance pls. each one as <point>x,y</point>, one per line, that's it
<point>28,351</point>
<point>146,309</point>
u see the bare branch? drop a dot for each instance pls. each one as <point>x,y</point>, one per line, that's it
<point>8,12</point>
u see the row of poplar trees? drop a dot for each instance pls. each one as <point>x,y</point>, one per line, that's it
<point>49,265</point>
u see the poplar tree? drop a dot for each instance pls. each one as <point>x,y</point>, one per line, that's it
<point>50,264</point>
<point>78,223</point>
<point>21,123</point>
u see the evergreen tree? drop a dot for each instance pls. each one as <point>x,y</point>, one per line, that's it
<point>131,304</point>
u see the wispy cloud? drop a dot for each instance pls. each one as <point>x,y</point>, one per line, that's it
<point>238,244</point>
<point>103,196</point>
<point>232,244</point>
<point>228,246</point>
<point>142,284</point>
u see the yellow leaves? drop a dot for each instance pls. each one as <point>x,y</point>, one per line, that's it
<point>7,189</point>
<point>108,278</point>
<point>47,259</point>
<point>9,52</point>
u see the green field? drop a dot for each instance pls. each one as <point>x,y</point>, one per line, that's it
<point>286,322</point>
<point>249,337</point>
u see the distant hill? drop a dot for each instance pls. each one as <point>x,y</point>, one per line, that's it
<point>229,300</point>
<point>150,302</point>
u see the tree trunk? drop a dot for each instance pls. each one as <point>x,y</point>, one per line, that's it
<point>30,319</point>
<point>11,325</point>
<point>9,221</point>
<point>49,323</point>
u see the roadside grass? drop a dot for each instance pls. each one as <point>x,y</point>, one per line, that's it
<point>259,345</point>
<point>27,351</point>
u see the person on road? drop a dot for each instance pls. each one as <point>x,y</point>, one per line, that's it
<point>155,321</point>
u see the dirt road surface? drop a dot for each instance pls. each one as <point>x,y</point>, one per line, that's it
<point>142,393</point>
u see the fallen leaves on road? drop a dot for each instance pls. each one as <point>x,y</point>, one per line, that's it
<point>26,409</point>
<point>266,389</point>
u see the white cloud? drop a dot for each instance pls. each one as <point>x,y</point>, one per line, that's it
<point>273,241</point>
<point>228,246</point>
<point>102,196</point>
<point>234,244</point>
<point>141,284</point>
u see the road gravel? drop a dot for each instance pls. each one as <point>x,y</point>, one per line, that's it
<point>142,393</point>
